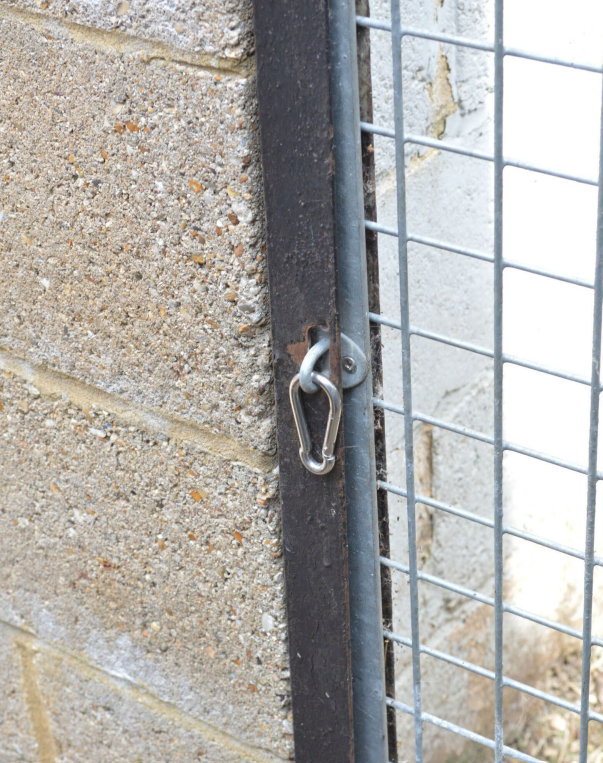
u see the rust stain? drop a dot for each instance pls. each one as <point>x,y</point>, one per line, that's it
<point>297,350</point>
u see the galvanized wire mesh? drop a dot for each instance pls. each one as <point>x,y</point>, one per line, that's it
<point>500,260</point>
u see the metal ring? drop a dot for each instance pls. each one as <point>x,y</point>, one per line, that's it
<point>308,363</point>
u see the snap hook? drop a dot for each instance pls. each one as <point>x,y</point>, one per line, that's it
<point>328,444</point>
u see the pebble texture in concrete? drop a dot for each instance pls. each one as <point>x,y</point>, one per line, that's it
<point>156,562</point>
<point>131,253</point>
<point>17,742</point>
<point>88,714</point>
<point>214,27</point>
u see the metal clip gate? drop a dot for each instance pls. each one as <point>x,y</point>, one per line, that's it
<point>328,444</point>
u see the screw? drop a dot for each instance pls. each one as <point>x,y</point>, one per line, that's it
<point>349,364</point>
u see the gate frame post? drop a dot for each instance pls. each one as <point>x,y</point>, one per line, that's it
<point>368,649</point>
<point>294,91</point>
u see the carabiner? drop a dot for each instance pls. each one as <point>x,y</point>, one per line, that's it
<point>328,443</point>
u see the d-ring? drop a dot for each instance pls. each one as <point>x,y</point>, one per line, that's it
<point>328,443</point>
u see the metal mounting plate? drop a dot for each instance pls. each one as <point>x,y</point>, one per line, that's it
<point>354,365</point>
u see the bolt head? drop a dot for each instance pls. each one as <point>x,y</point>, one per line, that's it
<point>349,364</point>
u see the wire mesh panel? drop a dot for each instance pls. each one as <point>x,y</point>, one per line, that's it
<point>484,139</point>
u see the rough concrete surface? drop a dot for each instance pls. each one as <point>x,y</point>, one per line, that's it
<point>153,560</point>
<point>130,234</point>
<point>87,715</point>
<point>17,743</point>
<point>214,27</point>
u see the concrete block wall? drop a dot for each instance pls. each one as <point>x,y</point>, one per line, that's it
<point>141,597</point>
<point>141,600</point>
